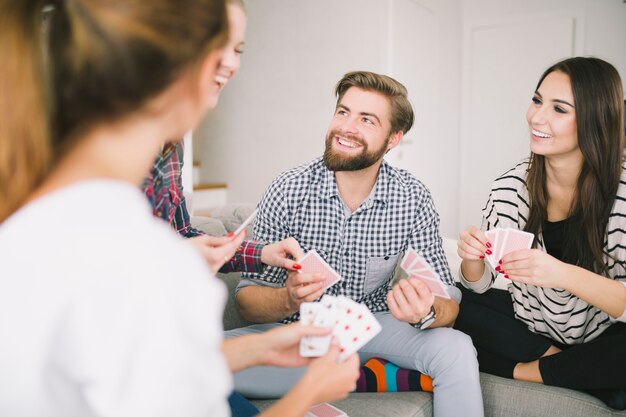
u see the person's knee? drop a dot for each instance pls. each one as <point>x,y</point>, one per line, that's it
<point>454,350</point>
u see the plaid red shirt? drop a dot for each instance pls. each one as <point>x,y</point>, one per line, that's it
<point>164,188</point>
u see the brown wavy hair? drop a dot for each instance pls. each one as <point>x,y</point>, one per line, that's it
<point>401,110</point>
<point>92,61</point>
<point>598,97</point>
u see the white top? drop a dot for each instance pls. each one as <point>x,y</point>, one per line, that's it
<point>553,312</point>
<point>104,311</point>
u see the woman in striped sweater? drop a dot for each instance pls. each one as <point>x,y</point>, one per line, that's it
<point>562,320</point>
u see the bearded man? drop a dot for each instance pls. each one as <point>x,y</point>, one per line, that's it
<point>361,215</point>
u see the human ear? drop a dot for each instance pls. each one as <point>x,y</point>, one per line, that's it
<point>395,139</point>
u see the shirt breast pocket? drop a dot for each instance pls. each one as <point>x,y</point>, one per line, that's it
<point>378,271</point>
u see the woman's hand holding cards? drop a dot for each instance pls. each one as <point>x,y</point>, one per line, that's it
<point>217,250</point>
<point>282,254</point>
<point>473,245</point>
<point>332,380</point>
<point>534,267</point>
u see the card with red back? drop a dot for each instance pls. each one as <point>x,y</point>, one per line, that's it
<point>413,261</point>
<point>515,240</point>
<point>426,273</point>
<point>356,325</point>
<point>325,410</point>
<point>313,263</point>
<point>437,288</point>
<point>493,238</point>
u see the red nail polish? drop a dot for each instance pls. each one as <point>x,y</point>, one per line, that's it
<point>297,266</point>
<point>506,276</point>
<point>500,261</point>
<point>498,268</point>
<point>488,252</point>
<point>231,234</point>
<point>488,244</point>
<point>482,257</point>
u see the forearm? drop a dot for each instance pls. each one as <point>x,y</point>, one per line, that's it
<point>446,312</point>
<point>241,352</point>
<point>604,293</point>
<point>246,259</point>
<point>264,304</point>
<point>472,270</point>
<point>296,403</point>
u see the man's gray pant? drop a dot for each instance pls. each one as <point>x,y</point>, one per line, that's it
<point>444,354</point>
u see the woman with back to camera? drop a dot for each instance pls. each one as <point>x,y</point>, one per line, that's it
<point>101,323</point>
<point>562,320</point>
<point>164,188</point>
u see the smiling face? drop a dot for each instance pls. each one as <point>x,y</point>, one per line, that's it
<point>231,52</point>
<point>552,118</point>
<point>359,133</point>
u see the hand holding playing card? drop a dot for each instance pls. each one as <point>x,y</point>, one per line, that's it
<point>281,346</point>
<point>313,263</point>
<point>418,268</point>
<point>279,254</point>
<point>331,379</point>
<point>302,288</point>
<point>534,267</point>
<point>506,241</point>
<point>473,244</point>
<point>352,323</point>
<point>410,300</point>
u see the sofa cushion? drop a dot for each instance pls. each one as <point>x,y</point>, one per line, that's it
<point>209,225</point>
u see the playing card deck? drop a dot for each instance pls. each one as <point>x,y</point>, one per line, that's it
<point>353,325</point>
<point>312,263</point>
<point>325,410</point>
<point>418,268</point>
<point>504,241</point>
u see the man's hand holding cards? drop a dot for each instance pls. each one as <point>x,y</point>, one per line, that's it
<point>418,268</point>
<point>312,263</point>
<point>353,325</point>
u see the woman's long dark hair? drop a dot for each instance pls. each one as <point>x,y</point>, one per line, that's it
<point>598,97</point>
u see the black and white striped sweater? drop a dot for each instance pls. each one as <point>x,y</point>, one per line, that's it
<point>552,312</point>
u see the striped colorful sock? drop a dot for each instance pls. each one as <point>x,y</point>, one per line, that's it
<point>379,375</point>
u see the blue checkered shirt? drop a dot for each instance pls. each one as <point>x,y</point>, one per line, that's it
<point>363,246</point>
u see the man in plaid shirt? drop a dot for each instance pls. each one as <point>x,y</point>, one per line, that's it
<point>164,188</point>
<point>361,214</point>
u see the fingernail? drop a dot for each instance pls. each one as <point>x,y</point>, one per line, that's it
<point>488,252</point>
<point>297,266</point>
<point>231,234</point>
<point>506,276</point>
<point>498,268</point>
<point>488,244</point>
<point>500,261</point>
<point>482,257</point>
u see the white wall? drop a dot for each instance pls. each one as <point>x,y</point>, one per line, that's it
<point>470,67</point>
<point>506,47</point>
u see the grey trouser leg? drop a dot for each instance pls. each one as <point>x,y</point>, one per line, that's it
<point>445,354</point>
<point>264,381</point>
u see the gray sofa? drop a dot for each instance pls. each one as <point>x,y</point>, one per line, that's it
<point>502,397</point>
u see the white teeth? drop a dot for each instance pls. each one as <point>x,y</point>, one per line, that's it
<point>220,79</point>
<point>540,134</point>
<point>346,143</point>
